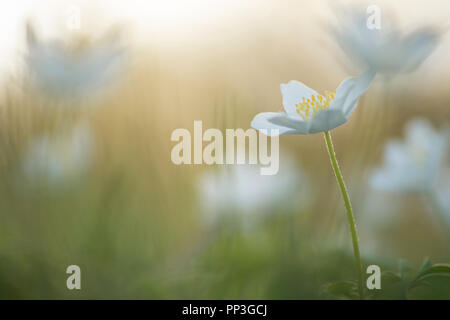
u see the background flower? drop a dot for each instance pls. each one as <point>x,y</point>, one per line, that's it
<point>385,50</point>
<point>61,159</point>
<point>133,210</point>
<point>66,72</point>
<point>412,164</point>
<point>241,191</point>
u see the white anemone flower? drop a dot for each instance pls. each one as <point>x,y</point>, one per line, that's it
<point>385,50</point>
<point>64,73</point>
<point>241,191</point>
<point>61,159</point>
<point>307,112</point>
<point>412,165</point>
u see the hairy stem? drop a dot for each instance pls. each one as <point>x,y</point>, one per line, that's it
<point>348,207</point>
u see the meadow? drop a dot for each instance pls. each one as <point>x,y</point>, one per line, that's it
<point>87,179</point>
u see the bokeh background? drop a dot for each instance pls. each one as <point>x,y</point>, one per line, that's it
<point>86,177</point>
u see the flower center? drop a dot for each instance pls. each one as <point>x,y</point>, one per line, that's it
<point>310,106</point>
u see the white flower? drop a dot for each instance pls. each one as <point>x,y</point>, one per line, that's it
<point>58,160</point>
<point>412,165</point>
<point>63,73</point>
<point>385,50</point>
<point>307,112</point>
<point>241,190</point>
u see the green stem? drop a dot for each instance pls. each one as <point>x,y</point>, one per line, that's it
<point>348,207</point>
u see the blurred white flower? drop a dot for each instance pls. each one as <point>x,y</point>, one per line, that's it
<point>242,191</point>
<point>59,160</point>
<point>412,165</point>
<point>307,112</point>
<point>384,50</point>
<point>66,74</point>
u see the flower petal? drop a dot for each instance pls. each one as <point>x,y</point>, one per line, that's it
<point>418,46</point>
<point>296,126</point>
<point>342,93</point>
<point>326,120</point>
<point>420,135</point>
<point>360,87</point>
<point>387,180</point>
<point>262,122</point>
<point>396,155</point>
<point>292,93</point>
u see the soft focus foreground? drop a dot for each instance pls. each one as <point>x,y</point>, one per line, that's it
<point>86,176</point>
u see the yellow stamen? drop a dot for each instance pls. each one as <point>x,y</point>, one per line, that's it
<point>310,106</point>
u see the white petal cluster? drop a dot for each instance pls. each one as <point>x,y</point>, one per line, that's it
<point>242,191</point>
<point>413,164</point>
<point>385,50</point>
<point>59,160</point>
<point>307,112</point>
<point>63,73</point>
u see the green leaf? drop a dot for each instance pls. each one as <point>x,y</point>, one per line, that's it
<point>427,271</point>
<point>426,265</point>
<point>342,289</point>
<point>390,277</point>
<point>436,269</point>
